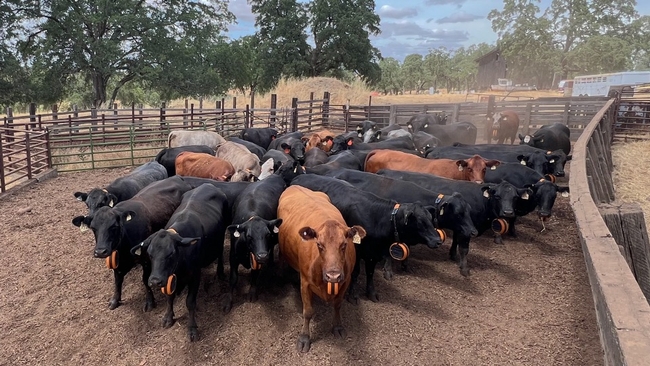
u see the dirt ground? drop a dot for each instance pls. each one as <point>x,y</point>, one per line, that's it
<point>527,302</point>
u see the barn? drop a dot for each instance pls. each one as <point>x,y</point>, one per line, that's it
<point>491,67</point>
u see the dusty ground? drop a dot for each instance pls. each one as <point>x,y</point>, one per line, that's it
<point>527,303</point>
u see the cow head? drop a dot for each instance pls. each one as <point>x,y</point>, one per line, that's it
<point>502,198</point>
<point>95,199</point>
<point>420,122</point>
<point>333,240</point>
<point>313,142</point>
<point>556,161</point>
<point>544,194</point>
<point>162,248</point>
<point>258,236</point>
<point>440,118</point>
<point>243,175</point>
<point>415,225</point>
<point>474,168</point>
<point>108,226</point>
<point>290,170</point>
<point>364,126</point>
<point>536,161</point>
<point>267,169</point>
<point>526,140</point>
<point>296,149</point>
<point>371,135</point>
<point>453,212</point>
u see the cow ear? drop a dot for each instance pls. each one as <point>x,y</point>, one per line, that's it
<point>82,222</point>
<point>128,216</point>
<point>285,146</point>
<point>568,157</point>
<point>461,164</point>
<point>186,242</point>
<point>378,135</point>
<point>525,193</point>
<point>307,233</point>
<point>357,233</point>
<point>486,191</point>
<point>140,248</point>
<point>521,137</point>
<point>492,163</point>
<point>80,196</point>
<point>522,159</point>
<point>274,225</point>
<point>304,140</point>
<point>112,200</point>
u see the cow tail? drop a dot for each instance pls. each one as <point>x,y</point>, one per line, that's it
<point>170,138</point>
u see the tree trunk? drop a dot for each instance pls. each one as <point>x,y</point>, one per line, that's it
<point>99,88</point>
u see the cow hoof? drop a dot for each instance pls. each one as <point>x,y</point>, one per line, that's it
<point>452,258</point>
<point>498,240</point>
<point>168,321</point>
<point>252,295</point>
<point>464,272</point>
<point>388,275</point>
<point>303,344</point>
<point>339,331</point>
<point>113,304</point>
<point>221,275</point>
<point>149,305</point>
<point>193,333</point>
<point>352,298</point>
<point>373,296</point>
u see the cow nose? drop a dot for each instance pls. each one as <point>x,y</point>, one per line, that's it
<point>479,181</point>
<point>508,213</point>
<point>559,174</point>
<point>262,257</point>
<point>101,253</point>
<point>474,233</point>
<point>155,282</point>
<point>544,214</point>
<point>333,276</point>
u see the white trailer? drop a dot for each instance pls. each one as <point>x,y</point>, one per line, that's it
<point>600,85</point>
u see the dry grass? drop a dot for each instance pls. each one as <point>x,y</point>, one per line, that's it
<point>630,183</point>
<point>357,93</point>
<point>73,159</point>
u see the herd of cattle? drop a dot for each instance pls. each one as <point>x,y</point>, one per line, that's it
<point>329,201</point>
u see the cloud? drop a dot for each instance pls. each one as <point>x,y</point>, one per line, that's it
<point>458,3</point>
<point>242,11</point>
<point>387,11</point>
<point>458,17</point>
<point>412,29</point>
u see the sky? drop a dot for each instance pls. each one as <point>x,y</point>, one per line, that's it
<point>416,26</point>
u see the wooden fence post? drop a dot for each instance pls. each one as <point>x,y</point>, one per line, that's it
<point>115,114</point>
<point>455,113</point>
<point>326,109</point>
<point>28,156</point>
<point>234,102</point>
<point>55,111</point>
<point>162,115</point>
<point>294,114</point>
<point>32,115</point>
<point>392,118</point>
<point>311,106</point>
<point>274,105</point>
<point>488,124</point>
<point>8,123</point>
<point>2,167</point>
<point>369,107</point>
<point>529,110</point>
<point>200,104</point>
<point>252,109</point>
<point>247,116</point>
<point>75,111</point>
<point>627,225</point>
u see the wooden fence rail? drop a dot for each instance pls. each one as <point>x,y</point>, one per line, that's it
<point>622,310</point>
<point>23,155</point>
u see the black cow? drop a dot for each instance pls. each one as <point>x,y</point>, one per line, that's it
<point>543,161</point>
<point>424,142</point>
<point>422,121</point>
<point>347,159</point>
<point>315,157</point>
<point>462,132</point>
<point>387,221</point>
<point>191,240</point>
<point>127,224</point>
<point>486,201</point>
<point>167,156</point>
<point>253,232</point>
<point>259,136</point>
<point>279,158</point>
<point>232,190</point>
<point>455,215</point>
<point>367,130</point>
<point>342,143</point>
<point>293,146</point>
<point>550,137</point>
<point>275,144</point>
<point>251,146</point>
<point>544,191</point>
<point>122,188</point>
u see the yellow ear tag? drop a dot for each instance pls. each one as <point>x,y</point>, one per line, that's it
<point>493,167</point>
<point>523,162</point>
<point>356,239</point>
<point>83,227</point>
<point>460,168</point>
<point>565,194</point>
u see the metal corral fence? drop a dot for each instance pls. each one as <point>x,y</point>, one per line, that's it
<point>23,154</point>
<point>633,113</point>
<point>84,140</point>
<point>615,246</point>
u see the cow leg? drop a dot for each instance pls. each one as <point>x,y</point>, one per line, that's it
<point>352,296</point>
<point>303,344</point>
<point>388,268</point>
<point>370,282</point>
<point>252,291</point>
<point>220,271</point>
<point>511,227</point>
<point>498,239</point>
<point>116,300</point>
<point>190,302</point>
<point>337,328</point>
<point>464,250</point>
<point>234,277</point>
<point>149,301</point>
<point>168,318</point>
<point>454,248</point>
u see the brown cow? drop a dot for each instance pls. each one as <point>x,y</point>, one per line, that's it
<point>203,166</point>
<point>315,240</point>
<point>503,125</point>
<point>322,139</point>
<point>471,169</point>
